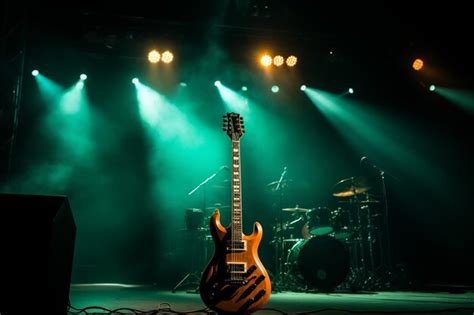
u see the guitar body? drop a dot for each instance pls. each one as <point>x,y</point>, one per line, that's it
<point>234,281</point>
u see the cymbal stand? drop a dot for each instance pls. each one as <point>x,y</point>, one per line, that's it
<point>194,276</point>
<point>279,244</point>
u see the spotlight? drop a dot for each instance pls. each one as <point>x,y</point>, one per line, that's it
<point>303,87</point>
<point>275,89</point>
<point>83,77</point>
<point>266,60</point>
<point>167,57</point>
<point>432,87</point>
<point>291,61</point>
<point>183,84</point>
<point>217,83</point>
<point>135,81</point>
<point>278,61</point>
<point>244,88</point>
<point>417,64</point>
<point>154,56</point>
<point>79,85</point>
<point>351,91</point>
<point>34,73</point>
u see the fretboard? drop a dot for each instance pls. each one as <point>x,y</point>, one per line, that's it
<point>236,193</point>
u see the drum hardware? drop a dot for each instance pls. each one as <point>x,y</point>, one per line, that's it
<point>320,221</point>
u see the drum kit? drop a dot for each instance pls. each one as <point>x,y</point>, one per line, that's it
<point>326,249</point>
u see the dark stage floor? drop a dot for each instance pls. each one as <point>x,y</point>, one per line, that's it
<point>148,298</point>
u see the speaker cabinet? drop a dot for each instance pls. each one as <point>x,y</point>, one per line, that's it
<point>37,235</point>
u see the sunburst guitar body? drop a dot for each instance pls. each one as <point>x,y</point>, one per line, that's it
<point>235,280</point>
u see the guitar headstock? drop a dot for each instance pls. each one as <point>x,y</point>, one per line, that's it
<point>233,125</point>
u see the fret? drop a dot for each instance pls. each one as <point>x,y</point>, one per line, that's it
<point>236,198</point>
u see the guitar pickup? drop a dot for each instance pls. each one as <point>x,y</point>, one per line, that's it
<point>236,267</point>
<point>236,246</point>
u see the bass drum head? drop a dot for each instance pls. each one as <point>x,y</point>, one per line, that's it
<point>322,261</point>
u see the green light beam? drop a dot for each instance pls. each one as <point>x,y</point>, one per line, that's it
<point>463,98</point>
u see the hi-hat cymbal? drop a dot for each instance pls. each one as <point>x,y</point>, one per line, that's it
<point>297,209</point>
<point>350,186</point>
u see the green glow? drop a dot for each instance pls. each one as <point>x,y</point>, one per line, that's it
<point>275,89</point>
<point>351,91</point>
<point>72,100</point>
<point>35,72</point>
<point>233,100</point>
<point>183,84</point>
<point>463,98</point>
<point>164,117</point>
<point>244,88</point>
<point>432,87</point>
<point>135,80</point>
<point>83,77</point>
<point>369,131</point>
<point>303,87</point>
<point>49,90</point>
<point>217,83</point>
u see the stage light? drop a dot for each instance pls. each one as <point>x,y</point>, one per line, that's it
<point>291,61</point>
<point>154,56</point>
<point>275,89</point>
<point>266,60</point>
<point>80,85</point>
<point>432,87</point>
<point>34,73</point>
<point>351,91</point>
<point>183,84</point>
<point>278,60</point>
<point>244,88</point>
<point>303,87</point>
<point>417,64</point>
<point>167,57</point>
<point>217,83</point>
<point>135,81</point>
<point>83,77</point>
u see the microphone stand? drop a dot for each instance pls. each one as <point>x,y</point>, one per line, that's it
<point>204,182</point>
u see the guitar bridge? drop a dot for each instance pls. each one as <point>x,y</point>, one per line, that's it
<point>236,268</point>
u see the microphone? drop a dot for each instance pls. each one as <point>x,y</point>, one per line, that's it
<point>367,162</point>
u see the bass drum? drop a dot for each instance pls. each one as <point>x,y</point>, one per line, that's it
<point>322,262</point>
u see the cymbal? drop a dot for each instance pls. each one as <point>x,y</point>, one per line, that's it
<point>297,209</point>
<point>350,186</point>
<point>218,207</point>
<point>273,185</point>
<point>360,201</point>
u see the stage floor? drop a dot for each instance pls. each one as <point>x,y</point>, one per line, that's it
<point>149,298</point>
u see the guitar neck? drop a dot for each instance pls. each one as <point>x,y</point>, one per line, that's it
<point>236,188</point>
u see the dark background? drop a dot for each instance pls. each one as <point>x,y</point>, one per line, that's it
<point>129,206</point>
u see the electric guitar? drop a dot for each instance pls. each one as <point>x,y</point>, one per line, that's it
<point>235,280</point>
